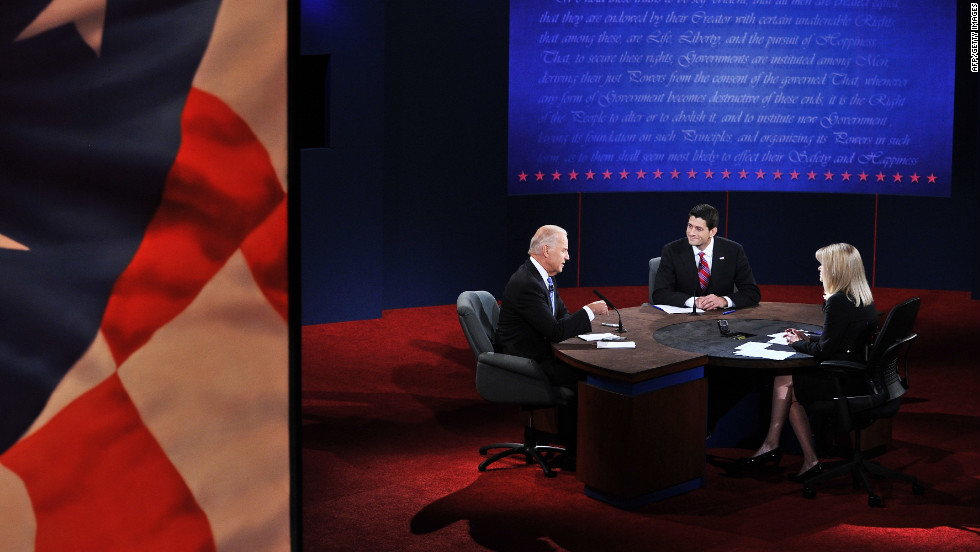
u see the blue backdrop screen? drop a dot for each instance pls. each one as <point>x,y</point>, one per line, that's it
<point>852,96</point>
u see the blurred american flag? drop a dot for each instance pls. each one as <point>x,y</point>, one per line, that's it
<point>144,335</point>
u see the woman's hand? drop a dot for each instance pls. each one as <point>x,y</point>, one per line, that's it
<point>792,335</point>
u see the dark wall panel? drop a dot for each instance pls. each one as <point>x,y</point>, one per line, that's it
<point>919,239</point>
<point>342,182</point>
<point>781,232</point>
<point>342,235</point>
<point>446,149</point>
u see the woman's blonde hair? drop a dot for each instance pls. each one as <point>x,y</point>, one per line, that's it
<point>844,271</point>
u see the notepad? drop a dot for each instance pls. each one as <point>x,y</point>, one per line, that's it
<point>615,345</point>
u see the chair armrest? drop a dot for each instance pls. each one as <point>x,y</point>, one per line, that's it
<point>843,366</point>
<point>518,365</point>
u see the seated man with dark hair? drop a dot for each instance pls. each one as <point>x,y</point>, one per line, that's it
<point>708,272</point>
<point>704,270</point>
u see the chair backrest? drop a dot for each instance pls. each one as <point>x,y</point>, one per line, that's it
<point>478,314</point>
<point>882,374</point>
<point>654,266</point>
<point>891,344</point>
<point>898,324</point>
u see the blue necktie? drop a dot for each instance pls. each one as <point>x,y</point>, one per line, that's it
<point>551,293</point>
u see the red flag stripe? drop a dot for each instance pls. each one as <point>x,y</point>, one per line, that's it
<point>222,186</point>
<point>117,478</point>
<point>266,257</point>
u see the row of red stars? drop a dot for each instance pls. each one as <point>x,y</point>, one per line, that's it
<point>725,174</point>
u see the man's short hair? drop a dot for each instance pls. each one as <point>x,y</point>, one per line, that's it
<point>706,212</point>
<point>546,235</point>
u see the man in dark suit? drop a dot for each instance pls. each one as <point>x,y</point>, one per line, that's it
<point>532,313</point>
<point>533,316</point>
<point>726,269</point>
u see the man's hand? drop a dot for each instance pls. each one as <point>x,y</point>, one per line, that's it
<point>599,308</point>
<point>710,302</point>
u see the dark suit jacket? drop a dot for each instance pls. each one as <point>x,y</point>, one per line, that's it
<point>526,326</point>
<point>847,331</point>
<point>677,279</point>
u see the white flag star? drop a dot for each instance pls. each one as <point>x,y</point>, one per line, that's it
<point>87,15</point>
<point>7,243</point>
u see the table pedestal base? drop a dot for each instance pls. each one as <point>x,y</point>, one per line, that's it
<point>638,501</point>
<point>643,442</point>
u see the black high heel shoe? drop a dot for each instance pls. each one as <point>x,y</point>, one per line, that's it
<point>775,456</point>
<point>801,478</point>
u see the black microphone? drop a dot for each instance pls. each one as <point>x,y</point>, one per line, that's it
<point>610,305</point>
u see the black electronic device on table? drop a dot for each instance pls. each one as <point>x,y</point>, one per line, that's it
<point>727,332</point>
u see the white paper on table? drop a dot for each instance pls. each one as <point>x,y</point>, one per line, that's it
<point>778,339</point>
<point>601,337</point>
<point>615,345</point>
<point>761,350</point>
<point>670,309</point>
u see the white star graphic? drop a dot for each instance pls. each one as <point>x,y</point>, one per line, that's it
<point>7,243</point>
<point>88,17</point>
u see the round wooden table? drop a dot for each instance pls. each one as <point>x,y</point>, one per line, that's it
<point>642,412</point>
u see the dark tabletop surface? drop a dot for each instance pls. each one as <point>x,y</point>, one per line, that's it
<point>669,343</point>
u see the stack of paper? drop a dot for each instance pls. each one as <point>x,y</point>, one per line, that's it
<point>601,337</point>
<point>616,345</point>
<point>761,350</point>
<point>677,310</point>
<point>609,341</point>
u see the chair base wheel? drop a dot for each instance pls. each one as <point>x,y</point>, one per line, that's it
<point>809,493</point>
<point>918,489</point>
<point>874,501</point>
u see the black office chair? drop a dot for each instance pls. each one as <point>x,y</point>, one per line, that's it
<point>882,400</point>
<point>654,264</point>
<point>508,379</point>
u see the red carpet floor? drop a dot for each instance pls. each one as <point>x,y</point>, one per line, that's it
<point>391,424</point>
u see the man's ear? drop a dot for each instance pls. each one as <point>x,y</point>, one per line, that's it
<point>713,231</point>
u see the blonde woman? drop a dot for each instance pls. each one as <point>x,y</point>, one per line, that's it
<point>850,318</point>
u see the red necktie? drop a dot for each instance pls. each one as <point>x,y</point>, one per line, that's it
<point>703,272</point>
